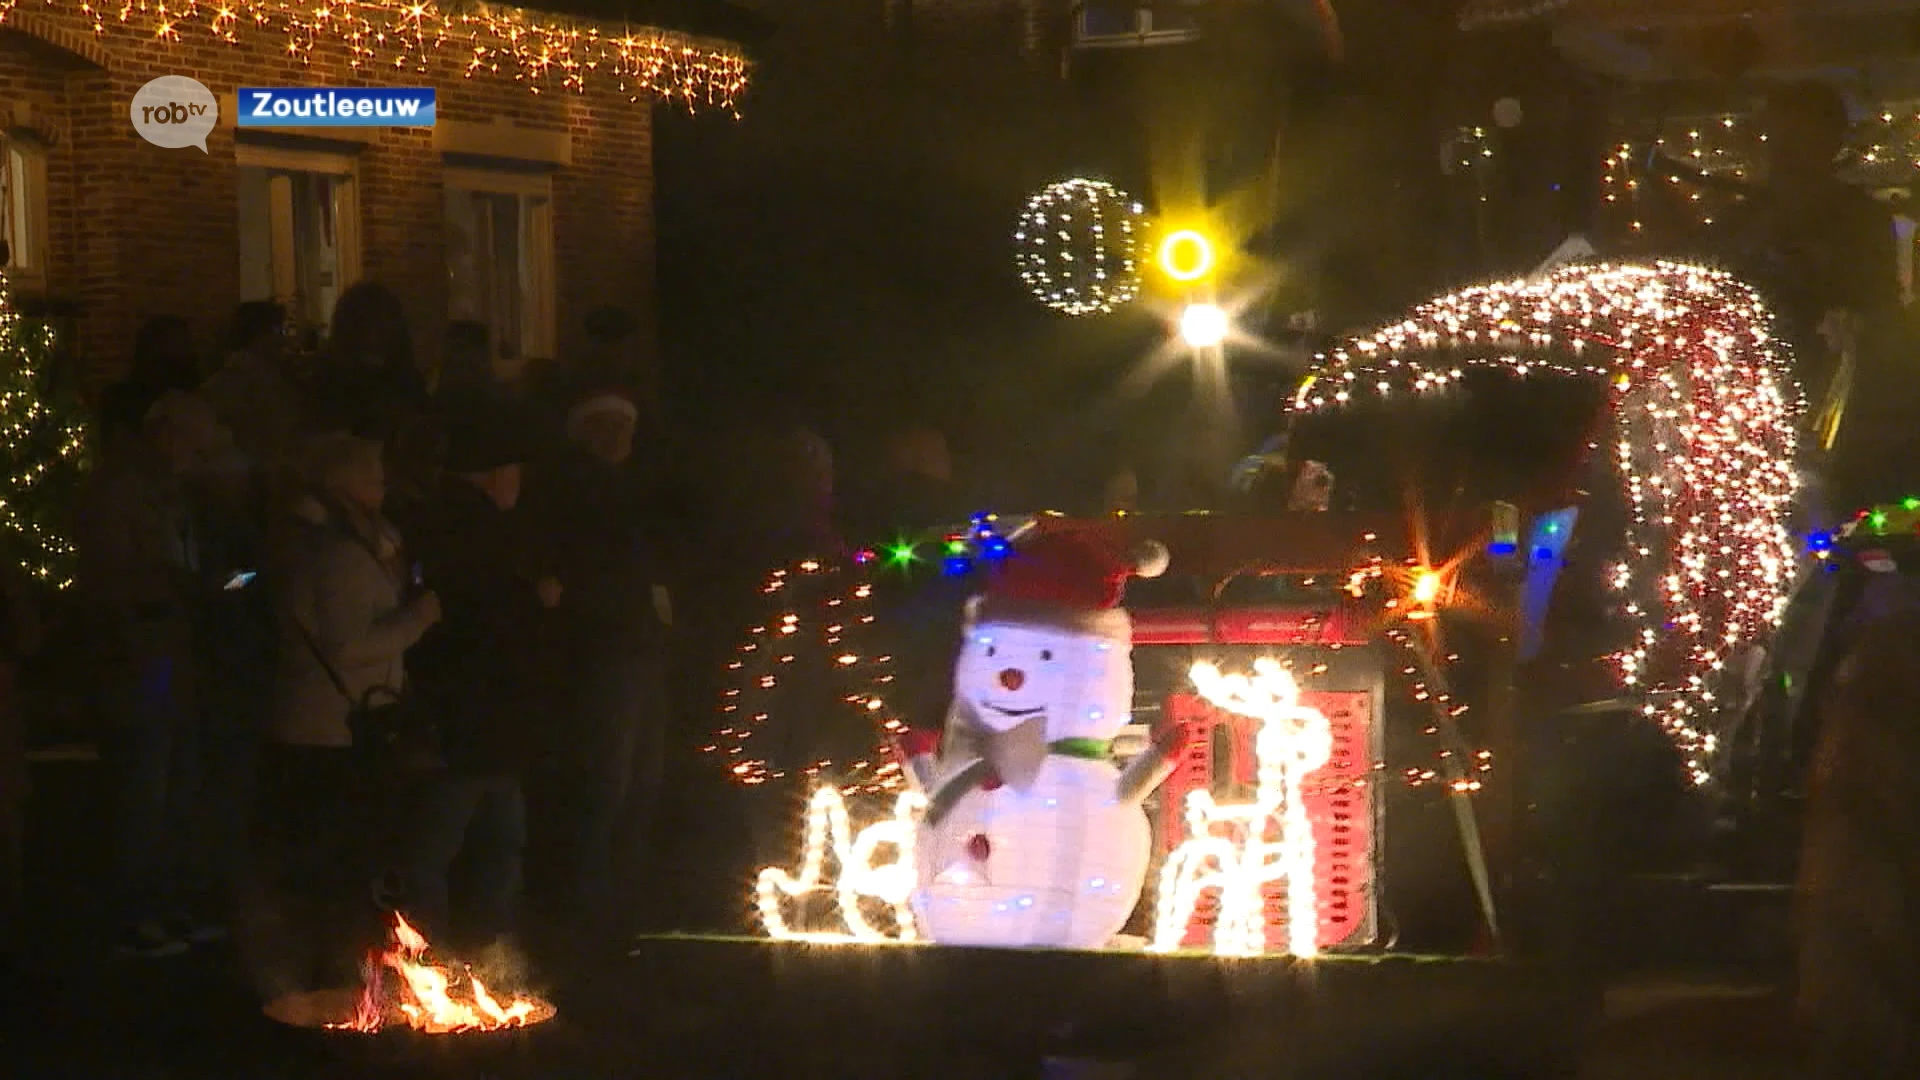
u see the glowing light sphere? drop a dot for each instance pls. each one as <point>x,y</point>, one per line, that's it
<point>1703,434</point>
<point>1204,326</point>
<point>1077,246</point>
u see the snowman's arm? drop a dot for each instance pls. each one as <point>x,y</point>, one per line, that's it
<point>1151,769</point>
<point>920,751</point>
<point>952,787</point>
<point>934,760</point>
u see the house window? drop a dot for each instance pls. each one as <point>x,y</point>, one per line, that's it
<point>23,206</point>
<point>500,256</point>
<point>299,229</point>
<point>1101,24</point>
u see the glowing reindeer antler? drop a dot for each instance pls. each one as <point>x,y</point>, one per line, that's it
<point>1227,846</point>
<point>860,874</point>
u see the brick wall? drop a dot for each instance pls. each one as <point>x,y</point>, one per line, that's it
<point>138,230</point>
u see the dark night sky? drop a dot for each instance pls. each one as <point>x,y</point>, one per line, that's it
<point>844,251</point>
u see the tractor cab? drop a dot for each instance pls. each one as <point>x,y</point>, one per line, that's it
<point>1857,575</point>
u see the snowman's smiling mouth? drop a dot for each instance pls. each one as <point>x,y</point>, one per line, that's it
<point>1004,711</point>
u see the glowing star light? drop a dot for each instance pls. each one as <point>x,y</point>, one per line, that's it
<point>1239,848</point>
<point>860,874</point>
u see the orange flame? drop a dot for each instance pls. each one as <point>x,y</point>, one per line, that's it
<point>431,998</point>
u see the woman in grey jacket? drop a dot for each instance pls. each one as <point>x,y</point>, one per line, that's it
<point>347,615</point>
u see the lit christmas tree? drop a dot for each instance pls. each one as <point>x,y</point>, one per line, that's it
<point>42,448</point>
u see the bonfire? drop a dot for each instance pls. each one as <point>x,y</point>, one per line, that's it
<point>402,987</point>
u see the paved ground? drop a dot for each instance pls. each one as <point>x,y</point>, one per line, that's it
<point>94,1015</point>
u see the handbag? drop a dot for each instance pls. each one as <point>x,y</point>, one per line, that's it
<point>389,727</point>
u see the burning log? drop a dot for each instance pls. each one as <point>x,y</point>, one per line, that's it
<point>402,989</point>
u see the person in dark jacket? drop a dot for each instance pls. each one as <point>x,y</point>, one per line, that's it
<point>367,383</point>
<point>19,639</point>
<point>474,672</point>
<point>163,361</point>
<point>598,531</point>
<point>1858,937</point>
<point>916,492</point>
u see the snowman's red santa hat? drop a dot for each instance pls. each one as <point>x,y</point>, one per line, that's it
<point>1070,578</point>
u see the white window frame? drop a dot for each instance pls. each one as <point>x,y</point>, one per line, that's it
<point>26,212</point>
<point>1142,33</point>
<point>535,189</point>
<point>346,212</point>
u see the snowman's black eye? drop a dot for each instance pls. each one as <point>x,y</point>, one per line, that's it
<point>1046,654</point>
<point>991,650</point>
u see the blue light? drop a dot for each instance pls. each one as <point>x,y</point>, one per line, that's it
<point>1502,547</point>
<point>1543,554</point>
<point>996,548</point>
<point>1820,541</point>
<point>958,566</point>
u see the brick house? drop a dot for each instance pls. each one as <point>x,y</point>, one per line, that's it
<point>529,202</point>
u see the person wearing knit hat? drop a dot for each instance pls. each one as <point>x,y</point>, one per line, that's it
<point>1033,836</point>
<point>477,672</point>
<point>600,527</point>
<point>603,424</point>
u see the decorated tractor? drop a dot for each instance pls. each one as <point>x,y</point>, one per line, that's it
<point>1865,571</point>
<point>1298,730</point>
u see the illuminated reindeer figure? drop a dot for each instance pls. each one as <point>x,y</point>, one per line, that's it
<point>1228,846</point>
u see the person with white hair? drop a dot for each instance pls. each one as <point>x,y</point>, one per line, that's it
<point>600,531</point>
<point>347,610</point>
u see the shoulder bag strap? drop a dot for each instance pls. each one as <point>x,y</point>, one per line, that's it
<point>320,658</point>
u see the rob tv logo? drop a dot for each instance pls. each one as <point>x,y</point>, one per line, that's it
<point>174,111</point>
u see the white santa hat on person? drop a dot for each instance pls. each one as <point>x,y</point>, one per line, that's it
<point>598,404</point>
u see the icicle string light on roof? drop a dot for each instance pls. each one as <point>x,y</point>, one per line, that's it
<point>538,50</point>
<point>1703,432</point>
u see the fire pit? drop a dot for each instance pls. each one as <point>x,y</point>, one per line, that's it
<point>412,1009</point>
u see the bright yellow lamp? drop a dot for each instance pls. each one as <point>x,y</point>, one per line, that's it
<point>1186,255</point>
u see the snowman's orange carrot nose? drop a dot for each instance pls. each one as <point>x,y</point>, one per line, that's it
<point>1013,678</point>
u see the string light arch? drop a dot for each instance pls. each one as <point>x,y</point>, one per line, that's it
<point>1704,437</point>
<point>385,37</point>
<point>824,613</point>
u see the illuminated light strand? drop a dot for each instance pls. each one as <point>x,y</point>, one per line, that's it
<point>858,875</point>
<point>864,674</point>
<point>1884,151</point>
<point>753,701</point>
<point>1460,766</point>
<point>1227,846</point>
<point>41,451</point>
<point>1704,434</point>
<point>1077,246</point>
<point>538,50</point>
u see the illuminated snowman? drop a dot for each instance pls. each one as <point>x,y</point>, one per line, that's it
<point>1033,835</point>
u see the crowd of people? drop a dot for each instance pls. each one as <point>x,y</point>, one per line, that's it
<point>344,615</point>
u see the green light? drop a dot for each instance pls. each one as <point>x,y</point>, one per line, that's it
<point>956,547</point>
<point>1910,503</point>
<point>901,554</point>
<point>1877,519</point>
